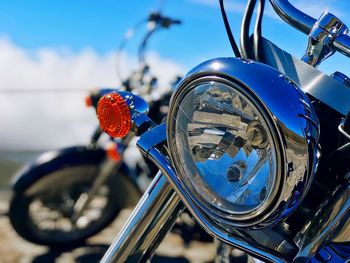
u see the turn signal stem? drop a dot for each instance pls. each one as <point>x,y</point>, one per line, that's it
<point>113,153</point>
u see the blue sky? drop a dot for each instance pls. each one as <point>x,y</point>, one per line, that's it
<point>72,43</point>
<point>101,25</point>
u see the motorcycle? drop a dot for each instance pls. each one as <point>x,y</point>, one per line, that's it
<point>255,146</point>
<point>66,196</point>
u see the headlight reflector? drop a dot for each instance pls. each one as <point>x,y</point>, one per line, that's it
<point>226,147</point>
<point>242,138</point>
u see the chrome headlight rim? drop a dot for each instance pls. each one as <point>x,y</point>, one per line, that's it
<point>269,205</point>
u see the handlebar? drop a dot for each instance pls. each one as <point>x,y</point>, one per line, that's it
<point>161,22</point>
<point>305,23</point>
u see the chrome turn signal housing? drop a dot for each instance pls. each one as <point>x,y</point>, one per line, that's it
<point>243,140</point>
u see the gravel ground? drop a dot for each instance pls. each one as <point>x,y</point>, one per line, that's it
<point>14,249</point>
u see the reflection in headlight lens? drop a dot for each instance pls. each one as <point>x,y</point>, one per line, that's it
<point>226,148</point>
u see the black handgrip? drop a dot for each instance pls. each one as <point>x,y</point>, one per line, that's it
<point>163,21</point>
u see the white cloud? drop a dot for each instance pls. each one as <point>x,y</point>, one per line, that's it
<point>44,120</point>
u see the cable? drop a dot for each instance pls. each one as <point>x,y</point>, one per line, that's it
<point>122,45</point>
<point>160,22</point>
<point>244,40</point>
<point>258,54</point>
<point>228,31</point>
<point>143,46</point>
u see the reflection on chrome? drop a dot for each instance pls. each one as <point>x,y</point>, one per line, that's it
<point>230,145</point>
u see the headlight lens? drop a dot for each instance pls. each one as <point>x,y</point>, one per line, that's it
<point>225,146</point>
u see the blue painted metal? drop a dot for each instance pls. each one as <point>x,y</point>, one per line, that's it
<point>52,161</point>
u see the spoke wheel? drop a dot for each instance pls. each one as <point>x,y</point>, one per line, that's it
<point>45,214</point>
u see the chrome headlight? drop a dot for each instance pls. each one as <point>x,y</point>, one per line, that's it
<point>242,139</point>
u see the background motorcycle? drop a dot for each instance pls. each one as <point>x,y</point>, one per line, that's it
<point>68,195</point>
<point>274,110</point>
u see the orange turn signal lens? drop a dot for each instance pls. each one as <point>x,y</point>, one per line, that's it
<point>88,101</point>
<point>114,115</point>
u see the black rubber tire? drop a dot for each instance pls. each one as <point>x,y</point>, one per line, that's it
<point>122,193</point>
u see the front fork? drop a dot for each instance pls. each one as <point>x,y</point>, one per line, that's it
<point>107,168</point>
<point>150,221</point>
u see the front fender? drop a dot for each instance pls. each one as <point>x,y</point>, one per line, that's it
<point>55,160</point>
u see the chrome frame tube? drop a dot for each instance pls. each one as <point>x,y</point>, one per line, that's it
<point>342,44</point>
<point>293,16</point>
<point>257,250</point>
<point>146,227</point>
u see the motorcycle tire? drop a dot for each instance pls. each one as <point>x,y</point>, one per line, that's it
<point>41,214</point>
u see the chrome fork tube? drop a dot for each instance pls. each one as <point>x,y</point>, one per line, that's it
<point>153,217</point>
